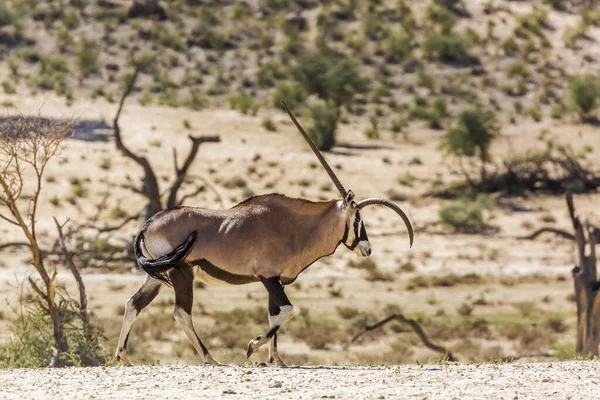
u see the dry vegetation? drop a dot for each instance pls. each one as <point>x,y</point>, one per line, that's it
<point>475,116</point>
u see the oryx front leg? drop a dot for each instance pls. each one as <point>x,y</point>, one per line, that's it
<point>133,307</point>
<point>183,284</point>
<point>276,293</point>
<point>273,315</point>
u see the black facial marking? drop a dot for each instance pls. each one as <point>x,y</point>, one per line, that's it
<point>363,233</point>
<point>345,237</point>
<point>356,223</point>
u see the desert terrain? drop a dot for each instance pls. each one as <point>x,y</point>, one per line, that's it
<point>502,304</point>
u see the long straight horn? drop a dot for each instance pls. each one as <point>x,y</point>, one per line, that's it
<point>330,172</point>
<point>387,203</point>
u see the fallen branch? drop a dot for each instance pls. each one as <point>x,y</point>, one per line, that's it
<point>415,326</point>
<point>13,244</point>
<point>558,232</point>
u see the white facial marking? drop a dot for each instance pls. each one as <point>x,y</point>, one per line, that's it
<point>363,249</point>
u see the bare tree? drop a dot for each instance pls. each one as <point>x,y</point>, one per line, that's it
<point>27,145</point>
<point>150,188</point>
<point>586,284</point>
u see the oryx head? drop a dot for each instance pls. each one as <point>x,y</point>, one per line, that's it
<point>355,236</point>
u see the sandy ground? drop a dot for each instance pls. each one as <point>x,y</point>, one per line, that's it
<point>560,380</point>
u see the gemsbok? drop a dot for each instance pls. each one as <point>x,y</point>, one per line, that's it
<point>268,238</point>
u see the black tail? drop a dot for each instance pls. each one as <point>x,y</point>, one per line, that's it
<point>158,268</point>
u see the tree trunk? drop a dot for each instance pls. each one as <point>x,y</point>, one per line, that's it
<point>586,286</point>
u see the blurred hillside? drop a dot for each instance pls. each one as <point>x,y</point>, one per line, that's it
<point>405,60</point>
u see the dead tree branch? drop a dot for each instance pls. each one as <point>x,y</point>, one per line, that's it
<point>416,328</point>
<point>150,183</point>
<point>150,187</point>
<point>80,286</point>
<point>180,173</point>
<point>586,284</point>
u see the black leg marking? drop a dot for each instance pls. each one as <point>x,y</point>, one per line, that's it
<point>144,297</point>
<point>273,307</point>
<point>133,307</point>
<point>280,310</point>
<point>275,289</point>
<point>272,331</point>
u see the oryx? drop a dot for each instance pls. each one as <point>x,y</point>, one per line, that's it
<point>268,238</point>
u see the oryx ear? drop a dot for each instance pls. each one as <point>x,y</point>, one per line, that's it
<point>349,197</point>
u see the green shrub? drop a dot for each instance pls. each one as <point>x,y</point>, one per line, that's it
<point>240,11</point>
<point>473,134</point>
<point>64,40</point>
<point>269,72</point>
<point>535,113</point>
<point>31,342</point>
<point>7,17</point>
<point>324,125</point>
<point>398,124</point>
<point>244,103</point>
<point>467,216</point>
<point>292,93</point>
<point>8,87</point>
<point>557,111</point>
<point>434,114</point>
<point>277,4</point>
<point>517,69</point>
<point>397,46</point>
<point>585,94</point>
<point>443,17</point>
<point>449,4</point>
<point>323,332</point>
<point>269,124</point>
<point>87,57</point>
<point>196,100</point>
<point>449,48</point>
<point>574,34</point>
<point>533,22</point>
<point>372,131</point>
<point>556,4</point>
<point>332,79</point>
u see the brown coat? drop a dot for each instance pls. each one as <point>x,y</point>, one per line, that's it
<point>265,236</point>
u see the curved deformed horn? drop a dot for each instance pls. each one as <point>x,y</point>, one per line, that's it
<point>330,172</point>
<point>387,203</point>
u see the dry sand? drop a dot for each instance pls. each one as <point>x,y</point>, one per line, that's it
<point>558,380</point>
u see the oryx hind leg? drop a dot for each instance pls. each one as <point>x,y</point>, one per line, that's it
<point>284,313</point>
<point>133,307</point>
<point>182,279</point>
<point>273,315</point>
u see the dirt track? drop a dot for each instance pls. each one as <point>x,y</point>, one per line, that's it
<point>564,380</point>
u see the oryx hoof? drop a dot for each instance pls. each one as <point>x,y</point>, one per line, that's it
<point>208,360</point>
<point>277,362</point>
<point>122,357</point>
<point>254,344</point>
